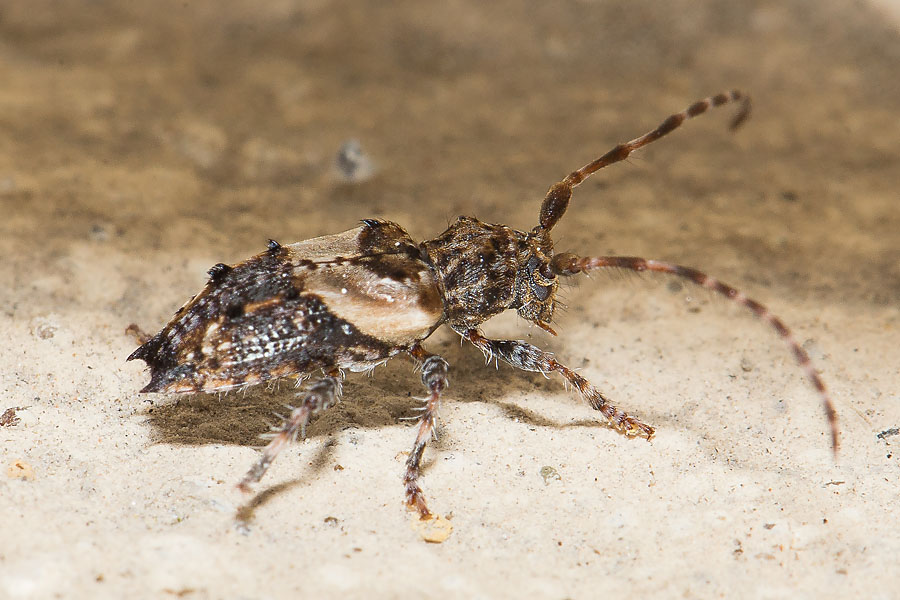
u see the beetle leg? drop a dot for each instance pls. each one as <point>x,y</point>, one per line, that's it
<point>531,358</point>
<point>318,396</point>
<point>434,376</point>
<point>569,264</point>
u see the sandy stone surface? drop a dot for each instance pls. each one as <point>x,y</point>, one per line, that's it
<point>141,143</point>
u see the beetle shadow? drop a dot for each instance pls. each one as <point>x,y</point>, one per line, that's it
<point>246,512</point>
<point>383,400</point>
<point>240,417</point>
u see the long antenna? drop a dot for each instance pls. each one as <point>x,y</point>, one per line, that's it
<point>557,199</point>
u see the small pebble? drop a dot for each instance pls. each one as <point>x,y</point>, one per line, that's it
<point>352,163</point>
<point>19,469</point>
<point>550,474</point>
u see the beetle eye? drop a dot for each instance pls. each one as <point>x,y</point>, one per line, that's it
<point>541,291</point>
<point>537,280</point>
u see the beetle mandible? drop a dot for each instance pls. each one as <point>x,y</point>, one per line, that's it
<point>355,299</point>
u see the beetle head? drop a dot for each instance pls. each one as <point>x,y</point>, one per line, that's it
<point>536,284</point>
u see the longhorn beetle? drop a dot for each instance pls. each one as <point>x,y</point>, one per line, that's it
<point>353,300</point>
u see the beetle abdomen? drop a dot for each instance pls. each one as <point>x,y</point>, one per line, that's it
<point>349,300</point>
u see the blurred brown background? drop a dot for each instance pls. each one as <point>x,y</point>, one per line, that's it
<point>140,143</point>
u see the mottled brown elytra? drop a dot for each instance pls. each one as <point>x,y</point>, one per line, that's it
<point>355,299</point>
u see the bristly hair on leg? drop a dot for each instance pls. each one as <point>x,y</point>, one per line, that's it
<point>522,355</point>
<point>317,397</point>
<point>434,376</point>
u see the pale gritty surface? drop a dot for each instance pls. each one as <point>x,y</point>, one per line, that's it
<point>142,143</point>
